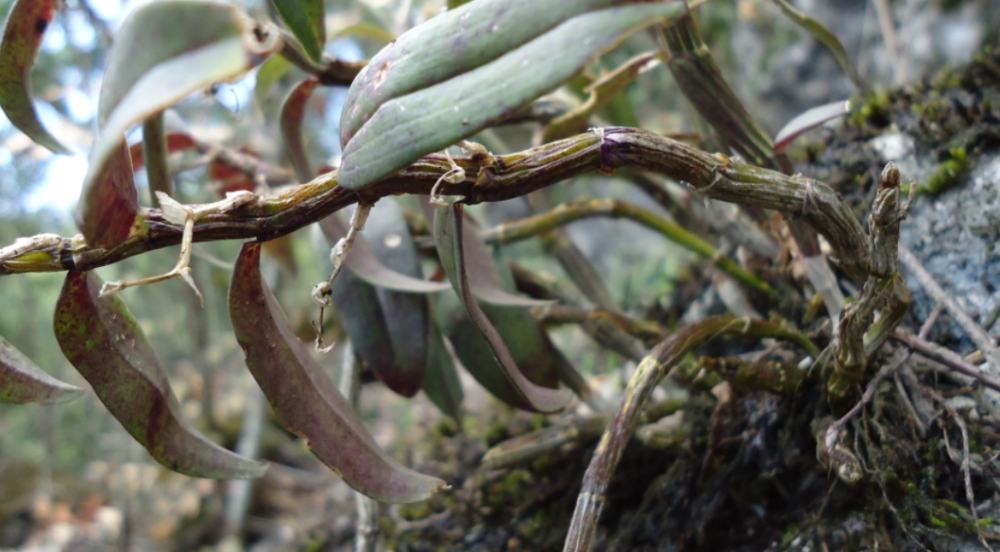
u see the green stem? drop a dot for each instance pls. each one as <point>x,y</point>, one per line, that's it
<point>573,211</point>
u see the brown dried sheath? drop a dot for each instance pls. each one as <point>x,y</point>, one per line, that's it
<point>304,398</point>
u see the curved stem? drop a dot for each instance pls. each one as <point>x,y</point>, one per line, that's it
<point>576,210</point>
<point>514,175</point>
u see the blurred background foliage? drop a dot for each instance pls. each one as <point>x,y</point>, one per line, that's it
<point>73,463</point>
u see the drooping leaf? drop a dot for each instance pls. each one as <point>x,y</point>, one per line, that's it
<point>304,398</point>
<point>108,207</point>
<point>103,341</point>
<point>441,381</point>
<point>305,19</point>
<point>22,381</point>
<point>397,132</point>
<point>150,67</point>
<point>292,110</point>
<point>363,263</point>
<point>812,118</point>
<point>448,227</point>
<point>826,37</point>
<point>22,38</point>
<point>388,327</point>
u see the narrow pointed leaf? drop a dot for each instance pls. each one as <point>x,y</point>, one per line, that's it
<point>447,231</point>
<point>601,93</point>
<point>292,110</point>
<point>813,118</point>
<point>22,38</point>
<point>304,398</point>
<point>441,382</point>
<point>389,328</point>
<point>305,19</point>
<point>447,46</point>
<point>151,67</point>
<point>363,263</point>
<point>104,342</point>
<point>398,134</point>
<point>826,37</point>
<point>484,282</point>
<point>22,381</point>
<point>269,73</point>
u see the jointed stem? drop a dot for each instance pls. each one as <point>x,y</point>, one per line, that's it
<point>513,175</point>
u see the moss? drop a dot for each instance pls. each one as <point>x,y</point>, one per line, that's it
<point>874,110</point>
<point>948,174</point>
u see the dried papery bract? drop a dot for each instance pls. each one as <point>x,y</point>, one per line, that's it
<point>304,398</point>
<point>103,341</point>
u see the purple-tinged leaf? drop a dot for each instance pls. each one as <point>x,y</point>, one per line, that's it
<point>305,18</point>
<point>448,229</point>
<point>102,339</point>
<point>304,398</point>
<point>812,118</point>
<point>176,141</point>
<point>292,110</point>
<point>21,381</point>
<point>110,204</point>
<point>151,67</point>
<point>388,327</point>
<point>22,38</point>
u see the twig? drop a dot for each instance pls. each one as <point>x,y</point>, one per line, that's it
<point>975,332</point>
<point>514,175</point>
<point>366,537</point>
<point>947,357</point>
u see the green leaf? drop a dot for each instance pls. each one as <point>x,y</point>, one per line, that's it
<point>397,132</point>
<point>448,45</point>
<point>151,67</point>
<point>441,381</point>
<point>366,30</point>
<point>102,339</point>
<point>21,381</point>
<point>22,38</point>
<point>292,109</point>
<point>269,73</point>
<point>826,37</point>
<point>514,387</point>
<point>305,18</point>
<point>304,398</point>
